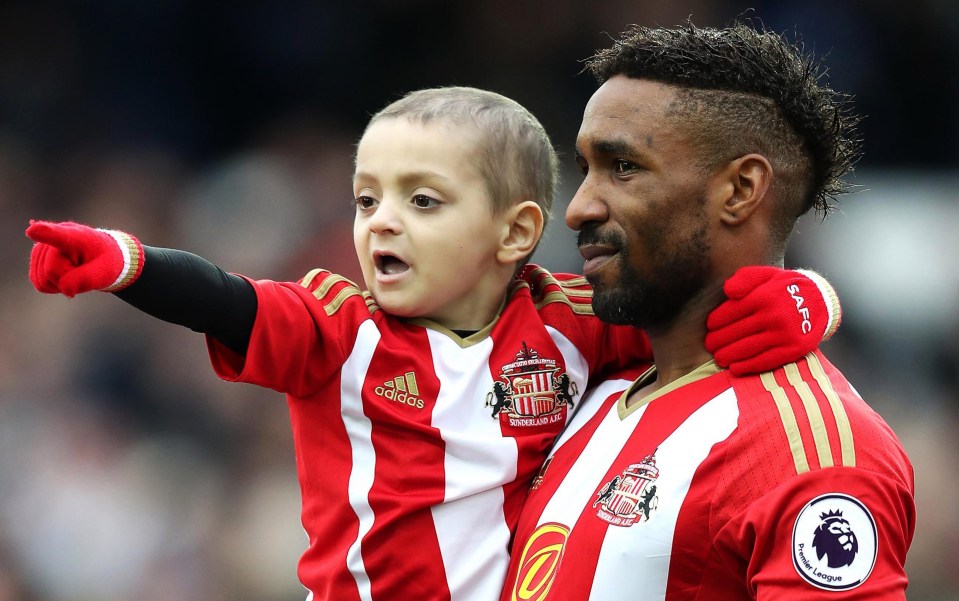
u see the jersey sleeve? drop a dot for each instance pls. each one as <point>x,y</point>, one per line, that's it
<point>564,301</point>
<point>837,533</point>
<point>301,335</point>
<point>817,496</point>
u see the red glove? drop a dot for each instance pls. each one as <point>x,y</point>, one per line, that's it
<point>70,258</point>
<point>772,317</point>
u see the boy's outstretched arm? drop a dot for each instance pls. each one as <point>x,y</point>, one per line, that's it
<point>173,285</point>
<point>771,317</point>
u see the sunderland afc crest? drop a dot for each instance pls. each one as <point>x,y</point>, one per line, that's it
<point>630,497</point>
<point>531,392</point>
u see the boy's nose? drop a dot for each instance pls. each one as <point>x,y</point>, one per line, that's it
<point>385,219</point>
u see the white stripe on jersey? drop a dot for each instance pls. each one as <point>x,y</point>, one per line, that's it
<point>477,571</point>
<point>477,457</point>
<point>677,458</point>
<point>576,365</point>
<point>359,429</point>
<point>587,408</point>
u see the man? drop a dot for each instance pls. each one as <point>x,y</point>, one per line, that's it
<point>699,151</point>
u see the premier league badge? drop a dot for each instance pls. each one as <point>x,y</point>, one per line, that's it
<point>834,542</point>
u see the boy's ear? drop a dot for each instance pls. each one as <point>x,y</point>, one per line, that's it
<point>745,184</point>
<point>523,227</point>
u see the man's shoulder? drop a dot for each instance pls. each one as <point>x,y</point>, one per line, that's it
<point>807,389</point>
<point>810,416</point>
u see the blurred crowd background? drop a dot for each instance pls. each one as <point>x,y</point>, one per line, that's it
<point>128,471</point>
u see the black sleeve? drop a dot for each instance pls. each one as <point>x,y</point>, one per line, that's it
<point>182,288</point>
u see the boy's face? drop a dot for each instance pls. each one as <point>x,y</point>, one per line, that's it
<point>425,233</point>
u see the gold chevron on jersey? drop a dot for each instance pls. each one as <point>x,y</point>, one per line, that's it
<point>370,302</point>
<point>340,287</point>
<point>546,288</point>
<point>810,394</point>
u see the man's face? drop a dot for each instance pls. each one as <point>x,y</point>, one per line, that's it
<point>640,210</point>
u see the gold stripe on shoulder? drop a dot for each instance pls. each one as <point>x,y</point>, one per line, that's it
<point>370,302</point>
<point>309,277</point>
<point>847,447</point>
<point>561,297</point>
<point>334,305</point>
<point>576,291</point>
<point>537,272</point>
<point>577,281</point>
<point>539,279</point>
<point>789,421</point>
<point>816,423</point>
<point>516,285</point>
<point>324,288</point>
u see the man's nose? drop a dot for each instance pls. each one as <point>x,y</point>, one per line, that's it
<point>586,206</point>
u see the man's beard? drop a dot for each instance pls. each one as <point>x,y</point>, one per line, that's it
<point>654,301</point>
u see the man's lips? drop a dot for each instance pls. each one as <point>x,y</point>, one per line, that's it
<point>596,256</point>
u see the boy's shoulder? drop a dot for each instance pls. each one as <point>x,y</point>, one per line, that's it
<point>546,287</point>
<point>333,290</point>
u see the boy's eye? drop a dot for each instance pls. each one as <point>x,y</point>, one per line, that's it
<point>364,202</point>
<point>621,166</point>
<point>421,201</point>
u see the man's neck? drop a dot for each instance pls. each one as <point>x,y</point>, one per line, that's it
<point>677,351</point>
<point>680,347</point>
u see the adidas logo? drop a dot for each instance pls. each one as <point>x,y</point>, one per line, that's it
<point>402,389</point>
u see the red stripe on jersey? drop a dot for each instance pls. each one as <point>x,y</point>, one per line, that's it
<point>832,419</point>
<point>405,466</point>
<point>320,483</point>
<point>802,417</point>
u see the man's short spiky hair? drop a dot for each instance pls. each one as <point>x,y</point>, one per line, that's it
<point>746,89</point>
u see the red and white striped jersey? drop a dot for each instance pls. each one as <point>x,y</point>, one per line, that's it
<point>415,448</point>
<point>783,485</point>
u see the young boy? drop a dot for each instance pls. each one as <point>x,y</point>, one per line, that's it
<point>422,407</point>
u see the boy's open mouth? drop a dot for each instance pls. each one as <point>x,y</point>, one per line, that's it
<point>390,264</point>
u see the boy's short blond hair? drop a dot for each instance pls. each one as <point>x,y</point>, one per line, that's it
<point>517,159</point>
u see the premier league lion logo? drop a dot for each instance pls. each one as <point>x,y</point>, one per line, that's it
<point>835,540</point>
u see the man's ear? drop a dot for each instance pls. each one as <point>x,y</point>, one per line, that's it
<point>746,183</point>
<point>523,228</point>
